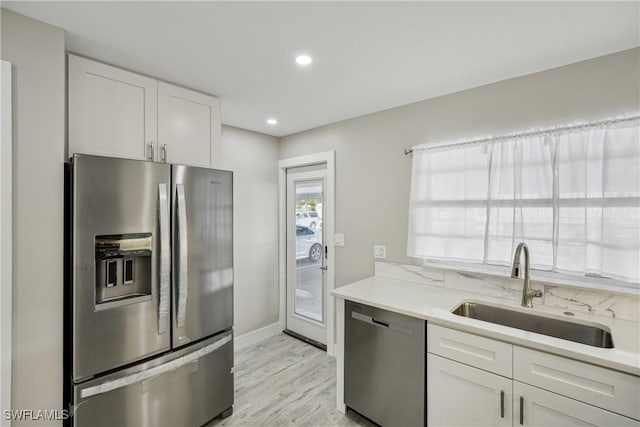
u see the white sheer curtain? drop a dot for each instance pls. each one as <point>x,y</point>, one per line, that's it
<point>521,200</point>
<point>599,201</point>
<point>572,195</point>
<point>448,214</point>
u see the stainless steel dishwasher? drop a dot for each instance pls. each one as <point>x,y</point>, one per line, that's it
<point>384,366</point>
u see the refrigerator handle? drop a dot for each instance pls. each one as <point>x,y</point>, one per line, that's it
<point>183,279</point>
<point>165,258</point>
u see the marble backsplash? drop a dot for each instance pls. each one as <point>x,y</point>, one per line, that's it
<point>597,303</point>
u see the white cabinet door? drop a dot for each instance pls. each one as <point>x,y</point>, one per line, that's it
<point>459,395</point>
<point>188,126</point>
<point>112,112</point>
<point>540,408</point>
<point>594,385</point>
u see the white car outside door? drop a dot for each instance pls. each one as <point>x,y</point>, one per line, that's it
<point>307,244</point>
<point>308,219</point>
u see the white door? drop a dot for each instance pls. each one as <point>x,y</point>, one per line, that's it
<point>536,407</point>
<point>188,126</point>
<point>459,395</point>
<point>112,112</point>
<point>306,253</point>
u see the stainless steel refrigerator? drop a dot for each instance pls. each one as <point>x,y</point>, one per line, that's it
<point>149,293</point>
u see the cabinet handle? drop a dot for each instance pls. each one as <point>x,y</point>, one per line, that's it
<point>164,152</point>
<point>151,150</point>
<point>501,403</point>
<point>521,410</point>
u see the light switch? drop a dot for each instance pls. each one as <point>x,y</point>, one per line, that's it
<point>379,251</point>
<point>338,239</point>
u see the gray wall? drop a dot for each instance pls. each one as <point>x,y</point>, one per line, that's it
<point>373,175</point>
<point>253,157</point>
<point>37,53</point>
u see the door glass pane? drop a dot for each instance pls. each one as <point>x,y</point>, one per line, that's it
<point>309,282</point>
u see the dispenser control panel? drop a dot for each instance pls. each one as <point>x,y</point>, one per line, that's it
<point>123,266</point>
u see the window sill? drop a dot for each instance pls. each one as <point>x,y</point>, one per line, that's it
<point>587,283</point>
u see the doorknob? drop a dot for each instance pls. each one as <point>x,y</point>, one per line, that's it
<point>323,268</point>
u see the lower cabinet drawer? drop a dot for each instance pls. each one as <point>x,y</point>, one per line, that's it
<point>534,407</point>
<point>484,353</point>
<point>187,389</point>
<point>601,387</point>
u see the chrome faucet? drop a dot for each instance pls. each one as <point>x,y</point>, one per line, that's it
<point>528,294</point>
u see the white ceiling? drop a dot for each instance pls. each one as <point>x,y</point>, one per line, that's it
<point>367,56</point>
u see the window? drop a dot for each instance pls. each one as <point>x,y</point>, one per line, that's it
<point>572,194</point>
<point>303,231</point>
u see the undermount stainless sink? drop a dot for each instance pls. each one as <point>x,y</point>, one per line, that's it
<point>592,335</point>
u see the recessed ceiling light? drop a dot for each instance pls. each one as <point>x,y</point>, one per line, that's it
<point>303,59</point>
<point>272,122</point>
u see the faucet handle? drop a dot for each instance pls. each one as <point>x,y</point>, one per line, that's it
<point>535,293</point>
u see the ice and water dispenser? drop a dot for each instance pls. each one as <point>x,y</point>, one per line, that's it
<point>123,267</point>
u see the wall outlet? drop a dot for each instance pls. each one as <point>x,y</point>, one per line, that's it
<point>379,251</point>
<point>338,240</point>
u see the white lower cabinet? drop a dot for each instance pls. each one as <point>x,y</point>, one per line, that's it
<point>459,395</point>
<point>463,388</point>
<point>601,387</point>
<point>536,407</point>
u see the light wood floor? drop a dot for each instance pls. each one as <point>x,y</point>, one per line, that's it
<point>285,382</point>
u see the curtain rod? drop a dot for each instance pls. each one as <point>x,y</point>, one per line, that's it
<point>408,151</point>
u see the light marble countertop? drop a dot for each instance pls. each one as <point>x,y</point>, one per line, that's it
<point>434,304</point>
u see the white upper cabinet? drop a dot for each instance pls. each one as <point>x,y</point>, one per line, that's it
<point>188,126</point>
<point>112,112</point>
<point>117,113</point>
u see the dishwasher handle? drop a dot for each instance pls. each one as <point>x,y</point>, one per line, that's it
<point>382,323</point>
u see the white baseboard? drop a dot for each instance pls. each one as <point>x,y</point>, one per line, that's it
<point>254,337</point>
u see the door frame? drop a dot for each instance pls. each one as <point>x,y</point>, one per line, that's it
<point>6,232</point>
<point>328,158</point>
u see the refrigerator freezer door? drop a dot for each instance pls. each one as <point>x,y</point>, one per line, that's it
<point>185,388</point>
<point>117,263</point>
<point>202,246</point>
